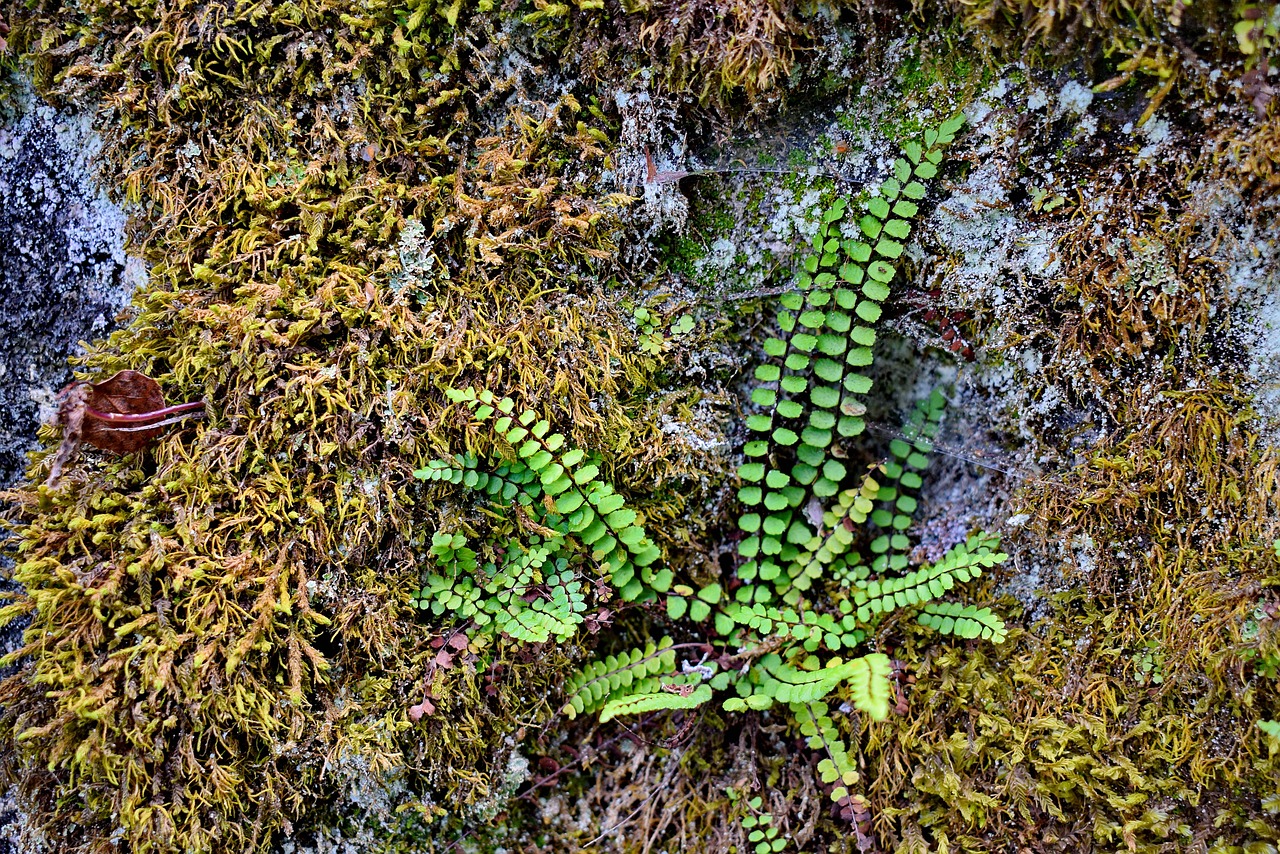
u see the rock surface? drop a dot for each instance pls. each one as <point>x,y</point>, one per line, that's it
<point>64,273</point>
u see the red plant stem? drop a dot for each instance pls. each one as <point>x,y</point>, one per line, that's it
<point>152,425</point>
<point>138,417</point>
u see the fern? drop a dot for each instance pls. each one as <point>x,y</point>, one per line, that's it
<point>503,485</point>
<point>557,615</point>
<point>698,609</point>
<point>811,629</point>
<point>828,553</point>
<point>810,394</point>
<point>824,553</point>
<point>762,834</point>
<point>589,508</point>
<point>903,476</point>
<point>670,697</point>
<point>867,678</point>
<point>966,621</point>
<point>774,681</point>
<point>963,562</point>
<point>591,688</point>
<point>837,768</point>
<point>531,597</point>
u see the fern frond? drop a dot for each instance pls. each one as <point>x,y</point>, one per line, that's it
<point>811,629</point>
<point>592,511</point>
<point>903,476</point>
<point>778,682</point>
<point>837,769</point>
<point>557,614</point>
<point>869,685</point>
<point>821,553</point>
<point>966,621</point>
<point>804,686</point>
<point>637,704</point>
<point>811,390</point>
<point>508,482</point>
<point>602,680</point>
<point>964,561</point>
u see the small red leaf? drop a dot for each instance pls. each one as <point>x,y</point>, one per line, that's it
<point>126,393</point>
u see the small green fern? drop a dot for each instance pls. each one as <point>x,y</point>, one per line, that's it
<point>837,769</point>
<point>602,681</point>
<point>533,590</point>
<point>831,553</point>
<point>762,834</point>
<point>866,677</point>
<point>671,695</point>
<point>966,621</point>
<point>813,582</point>
<point>530,597</point>
<point>903,475</point>
<point>803,587</point>
<point>963,562</point>
<point>586,507</point>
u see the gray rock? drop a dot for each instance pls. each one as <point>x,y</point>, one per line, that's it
<point>64,274</point>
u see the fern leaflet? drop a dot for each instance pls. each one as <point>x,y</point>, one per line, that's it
<point>636,704</point>
<point>964,561</point>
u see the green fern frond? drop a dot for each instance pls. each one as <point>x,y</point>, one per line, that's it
<point>603,680</point>
<point>592,511</point>
<point>637,704</point>
<point>837,769</point>
<point>531,597</point>
<point>962,562</point>
<point>867,677</point>
<point>966,621</point>
<point>810,629</point>
<point>810,392</point>
<point>903,476</point>
<point>508,482</point>
<point>775,681</point>
<point>822,553</point>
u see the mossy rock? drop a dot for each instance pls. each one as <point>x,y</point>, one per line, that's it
<point>349,208</point>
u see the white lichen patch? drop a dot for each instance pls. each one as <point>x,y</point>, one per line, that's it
<point>373,800</point>
<point>1248,254</point>
<point>1158,134</point>
<point>515,774</point>
<point>649,145</point>
<point>1074,97</point>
